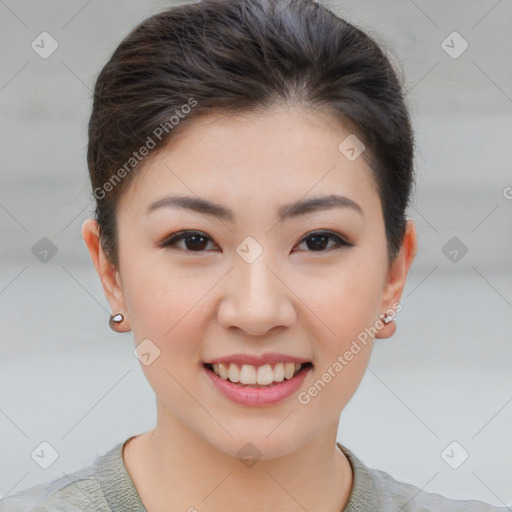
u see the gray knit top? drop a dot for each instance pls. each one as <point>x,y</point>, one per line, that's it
<point>105,486</point>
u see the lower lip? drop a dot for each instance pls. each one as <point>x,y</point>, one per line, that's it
<point>247,395</point>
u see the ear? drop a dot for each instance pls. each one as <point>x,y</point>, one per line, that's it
<point>396,278</point>
<point>108,273</point>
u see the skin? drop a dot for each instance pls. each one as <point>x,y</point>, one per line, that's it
<point>294,299</point>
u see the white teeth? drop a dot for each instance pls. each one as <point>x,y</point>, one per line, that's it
<point>261,376</point>
<point>233,373</point>
<point>223,370</point>
<point>265,375</point>
<point>279,372</point>
<point>289,370</point>
<point>247,374</point>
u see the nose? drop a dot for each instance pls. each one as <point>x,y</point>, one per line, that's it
<point>255,298</point>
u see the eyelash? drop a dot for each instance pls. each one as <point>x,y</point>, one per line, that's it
<point>171,241</point>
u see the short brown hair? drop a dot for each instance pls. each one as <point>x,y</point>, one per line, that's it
<point>245,55</point>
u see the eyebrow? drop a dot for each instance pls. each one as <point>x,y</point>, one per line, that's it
<point>287,211</point>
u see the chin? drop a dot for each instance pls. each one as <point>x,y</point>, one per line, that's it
<point>254,444</point>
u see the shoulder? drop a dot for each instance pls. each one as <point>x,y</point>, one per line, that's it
<point>375,489</point>
<point>410,498</point>
<point>74,492</point>
<point>83,492</point>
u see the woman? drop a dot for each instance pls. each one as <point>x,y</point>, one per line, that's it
<point>252,163</point>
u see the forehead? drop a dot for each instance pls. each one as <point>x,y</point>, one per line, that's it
<point>255,159</point>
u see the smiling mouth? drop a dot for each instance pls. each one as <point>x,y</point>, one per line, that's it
<point>264,376</point>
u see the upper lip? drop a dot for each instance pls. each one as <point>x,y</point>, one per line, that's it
<point>260,360</point>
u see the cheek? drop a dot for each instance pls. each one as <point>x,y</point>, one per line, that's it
<point>344,299</point>
<point>345,311</point>
<point>160,300</point>
<point>165,314</point>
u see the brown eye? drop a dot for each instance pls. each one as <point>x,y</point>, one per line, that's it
<point>194,241</point>
<point>318,241</point>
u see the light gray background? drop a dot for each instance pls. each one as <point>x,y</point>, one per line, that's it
<point>445,376</point>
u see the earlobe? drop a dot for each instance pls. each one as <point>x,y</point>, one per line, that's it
<point>107,272</point>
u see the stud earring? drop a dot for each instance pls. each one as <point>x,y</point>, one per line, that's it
<point>115,320</point>
<point>387,319</point>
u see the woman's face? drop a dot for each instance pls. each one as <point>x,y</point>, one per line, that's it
<point>255,281</point>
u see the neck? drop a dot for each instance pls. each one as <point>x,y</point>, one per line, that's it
<point>174,469</point>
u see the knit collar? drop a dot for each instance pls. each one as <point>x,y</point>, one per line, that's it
<point>363,497</point>
<point>121,494</point>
